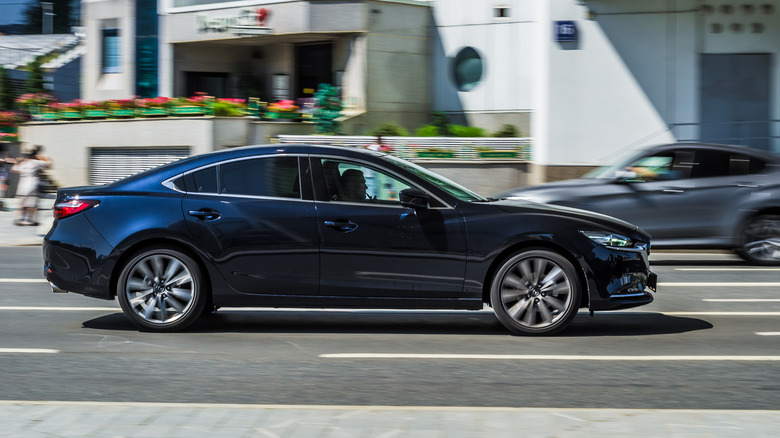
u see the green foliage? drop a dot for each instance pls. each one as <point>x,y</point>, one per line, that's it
<point>328,103</point>
<point>442,122</point>
<point>507,131</point>
<point>6,94</point>
<point>224,108</point>
<point>466,131</point>
<point>390,129</point>
<point>34,82</point>
<point>428,131</point>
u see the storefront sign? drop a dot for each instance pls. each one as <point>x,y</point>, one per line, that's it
<point>247,22</point>
<point>565,31</point>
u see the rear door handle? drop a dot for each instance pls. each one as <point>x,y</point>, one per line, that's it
<point>342,225</point>
<point>205,214</point>
<point>673,191</point>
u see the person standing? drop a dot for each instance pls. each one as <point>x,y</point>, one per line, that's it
<point>29,167</point>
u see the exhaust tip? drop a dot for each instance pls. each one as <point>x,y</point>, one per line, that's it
<point>56,289</point>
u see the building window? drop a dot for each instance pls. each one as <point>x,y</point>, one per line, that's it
<point>501,12</point>
<point>110,39</point>
<point>467,69</point>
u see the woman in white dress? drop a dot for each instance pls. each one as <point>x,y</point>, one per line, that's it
<point>29,167</point>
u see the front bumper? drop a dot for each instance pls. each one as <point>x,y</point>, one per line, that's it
<point>619,279</point>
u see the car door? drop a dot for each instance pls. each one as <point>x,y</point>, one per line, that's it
<point>374,246</point>
<point>255,219</point>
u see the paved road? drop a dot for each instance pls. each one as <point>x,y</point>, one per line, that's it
<point>702,360</point>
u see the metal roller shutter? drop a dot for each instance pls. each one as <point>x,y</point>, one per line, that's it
<point>110,164</point>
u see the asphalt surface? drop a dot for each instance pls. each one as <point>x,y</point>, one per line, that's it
<point>702,360</point>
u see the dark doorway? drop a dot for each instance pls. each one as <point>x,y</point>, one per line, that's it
<point>313,66</point>
<point>735,99</point>
<point>213,84</point>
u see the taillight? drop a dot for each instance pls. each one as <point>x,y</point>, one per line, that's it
<point>74,206</point>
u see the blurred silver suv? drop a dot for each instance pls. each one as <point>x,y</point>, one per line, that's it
<point>685,195</point>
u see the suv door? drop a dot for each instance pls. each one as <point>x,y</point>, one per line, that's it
<point>255,219</point>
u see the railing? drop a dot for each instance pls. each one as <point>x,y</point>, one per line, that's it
<point>428,148</point>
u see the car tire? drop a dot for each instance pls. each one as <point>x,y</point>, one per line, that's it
<point>761,240</point>
<point>161,289</point>
<point>535,292</point>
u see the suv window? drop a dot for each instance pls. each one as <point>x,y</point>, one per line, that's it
<point>273,177</point>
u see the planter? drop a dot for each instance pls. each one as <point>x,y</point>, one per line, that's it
<point>281,116</point>
<point>437,154</point>
<point>152,112</point>
<point>71,115</point>
<point>121,113</point>
<point>188,111</point>
<point>497,154</point>
<point>95,114</point>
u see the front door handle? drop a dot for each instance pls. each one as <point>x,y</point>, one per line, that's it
<point>205,214</point>
<point>342,225</point>
<point>673,190</point>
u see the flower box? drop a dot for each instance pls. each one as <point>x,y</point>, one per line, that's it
<point>70,114</point>
<point>121,113</point>
<point>188,111</point>
<point>152,112</point>
<point>497,154</point>
<point>435,154</point>
<point>95,113</point>
<point>273,115</point>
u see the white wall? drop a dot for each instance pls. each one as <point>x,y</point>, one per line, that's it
<point>95,84</point>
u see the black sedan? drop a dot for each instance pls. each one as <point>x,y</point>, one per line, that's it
<point>313,226</point>
<point>685,195</point>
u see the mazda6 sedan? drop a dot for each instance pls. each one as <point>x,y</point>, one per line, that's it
<point>686,195</point>
<point>327,227</point>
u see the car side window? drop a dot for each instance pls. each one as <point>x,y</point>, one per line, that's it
<point>710,164</point>
<point>356,182</point>
<point>740,164</point>
<point>272,177</point>
<point>204,181</point>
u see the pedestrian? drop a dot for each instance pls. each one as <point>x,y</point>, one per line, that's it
<point>6,159</point>
<point>29,167</point>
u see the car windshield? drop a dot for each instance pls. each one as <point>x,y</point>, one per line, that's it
<point>454,189</point>
<point>611,171</point>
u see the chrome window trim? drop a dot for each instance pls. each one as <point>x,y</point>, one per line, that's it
<point>168,182</point>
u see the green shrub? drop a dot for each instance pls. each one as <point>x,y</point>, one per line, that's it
<point>507,131</point>
<point>466,131</point>
<point>226,109</point>
<point>390,129</point>
<point>427,131</point>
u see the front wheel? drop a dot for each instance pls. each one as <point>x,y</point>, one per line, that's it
<point>761,240</point>
<point>161,289</point>
<point>535,292</point>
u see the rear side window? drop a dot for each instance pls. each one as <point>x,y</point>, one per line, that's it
<point>273,177</point>
<point>204,181</point>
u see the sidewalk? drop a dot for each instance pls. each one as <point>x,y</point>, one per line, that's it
<point>14,235</point>
<point>94,419</point>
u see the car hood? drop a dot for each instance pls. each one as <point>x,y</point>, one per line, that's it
<point>607,222</point>
<point>554,191</point>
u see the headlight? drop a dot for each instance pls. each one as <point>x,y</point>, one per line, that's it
<point>608,239</point>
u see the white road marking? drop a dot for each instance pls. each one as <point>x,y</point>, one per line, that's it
<point>23,280</point>
<point>721,284</point>
<point>727,269</point>
<point>61,309</point>
<point>721,313</point>
<point>547,357</point>
<point>742,300</point>
<point>29,350</point>
<point>768,333</point>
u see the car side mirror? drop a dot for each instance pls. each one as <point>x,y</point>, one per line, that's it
<point>625,176</point>
<point>414,198</point>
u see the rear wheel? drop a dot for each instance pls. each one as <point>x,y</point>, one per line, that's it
<point>535,292</point>
<point>761,240</point>
<point>161,289</point>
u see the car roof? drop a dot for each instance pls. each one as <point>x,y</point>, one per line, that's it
<point>767,156</point>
